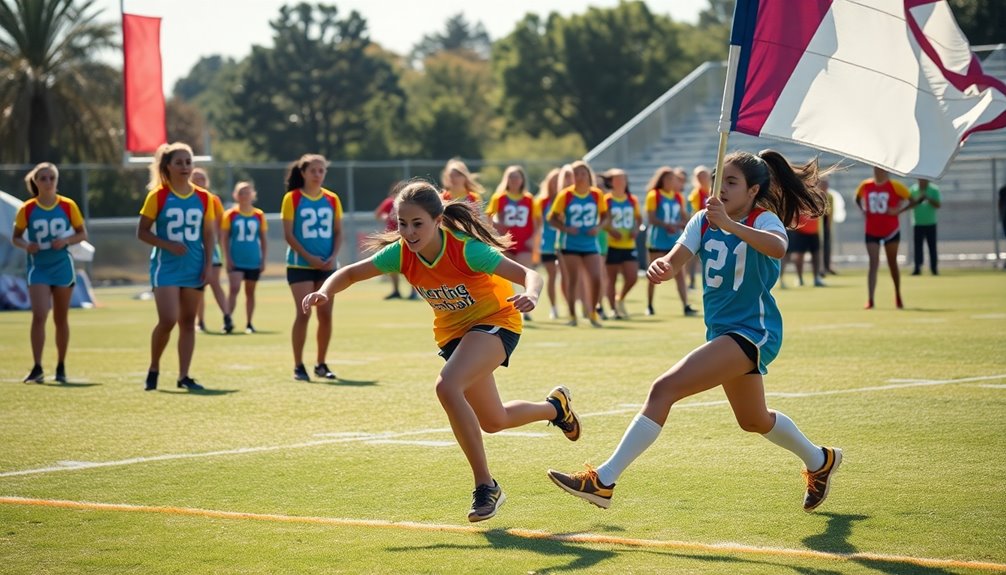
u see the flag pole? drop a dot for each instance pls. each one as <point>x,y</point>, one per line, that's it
<point>726,109</point>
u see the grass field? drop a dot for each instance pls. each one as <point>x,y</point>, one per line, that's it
<point>265,475</point>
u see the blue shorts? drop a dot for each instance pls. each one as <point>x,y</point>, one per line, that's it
<point>58,274</point>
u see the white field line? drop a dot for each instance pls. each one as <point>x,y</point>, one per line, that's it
<point>346,437</point>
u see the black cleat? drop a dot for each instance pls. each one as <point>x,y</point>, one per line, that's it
<point>250,329</point>
<point>321,370</point>
<point>60,374</point>
<point>35,376</point>
<point>228,324</point>
<point>300,373</point>
<point>189,384</point>
<point>486,499</point>
<point>151,384</point>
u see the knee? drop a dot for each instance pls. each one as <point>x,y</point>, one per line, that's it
<point>38,318</point>
<point>446,390</point>
<point>664,392</point>
<point>760,425</point>
<point>492,425</point>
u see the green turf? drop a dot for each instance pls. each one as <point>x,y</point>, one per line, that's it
<point>923,474</point>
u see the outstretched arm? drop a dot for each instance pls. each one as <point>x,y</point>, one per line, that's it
<point>340,280</point>
<point>518,274</point>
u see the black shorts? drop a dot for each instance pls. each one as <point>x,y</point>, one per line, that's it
<point>546,258</point>
<point>802,243</point>
<point>298,275</point>
<point>620,255</point>
<point>218,265</point>
<point>749,349</point>
<point>508,338</point>
<point>251,275</point>
<point>580,253</point>
<point>895,237</point>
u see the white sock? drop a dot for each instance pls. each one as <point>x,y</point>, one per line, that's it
<point>639,436</point>
<point>788,436</point>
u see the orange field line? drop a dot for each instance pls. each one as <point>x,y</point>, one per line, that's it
<point>733,548</point>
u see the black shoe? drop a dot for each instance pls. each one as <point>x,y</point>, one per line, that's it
<point>189,384</point>
<point>60,374</point>
<point>649,310</point>
<point>151,381</point>
<point>250,329</point>
<point>201,326</point>
<point>916,273</point>
<point>393,295</point>
<point>321,370</point>
<point>486,499</point>
<point>228,324</point>
<point>36,375</point>
<point>690,311</point>
<point>300,373</point>
<point>819,482</point>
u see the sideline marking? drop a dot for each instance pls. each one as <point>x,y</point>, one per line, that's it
<point>344,437</point>
<point>588,538</point>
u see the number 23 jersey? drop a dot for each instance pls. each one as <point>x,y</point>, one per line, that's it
<point>178,219</point>
<point>737,280</point>
<point>314,223</point>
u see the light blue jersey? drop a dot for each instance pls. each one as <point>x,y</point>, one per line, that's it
<point>549,235</point>
<point>244,235</point>
<point>42,225</point>
<point>582,213</point>
<point>178,219</point>
<point>737,280</point>
<point>668,209</point>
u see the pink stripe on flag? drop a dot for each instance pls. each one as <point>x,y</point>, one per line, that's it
<point>782,34</point>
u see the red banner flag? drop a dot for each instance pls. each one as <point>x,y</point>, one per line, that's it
<point>142,83</point>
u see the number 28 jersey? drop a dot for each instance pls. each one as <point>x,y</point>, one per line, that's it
<point>737,280</point>
<point>179,219</point>
<point>314,221</point>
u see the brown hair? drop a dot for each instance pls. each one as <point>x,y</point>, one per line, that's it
<point>159,165</point>
<point>790,191</point>
<point>504,185</point>
<point>471,180</point>
<point>459,216</point>
<point>658,177</point>
<point>550,185</point>
<point>295,171</point>
<point>241,184</point>
<point>29,179</point>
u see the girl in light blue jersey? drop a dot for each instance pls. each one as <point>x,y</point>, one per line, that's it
<point>243,236</point>
<point>44,226</point>
<point>549,235</point>
<point>740,239</point>
<point>177,219</point>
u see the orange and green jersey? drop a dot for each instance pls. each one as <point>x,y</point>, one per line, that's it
<point>458,284</point>
<point>314,220</point>
<point>624,214</point>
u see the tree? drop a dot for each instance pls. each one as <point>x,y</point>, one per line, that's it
<point>55,98</point>
<point>311,90</point>
<point>588,73</point>
<point>459,37</point>
<point>981,20</point>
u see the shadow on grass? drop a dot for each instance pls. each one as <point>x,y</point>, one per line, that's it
<point>203,392</point>
<point>585,556</point>
<point>340,382</point>
<point>835,539</point>
<point>69,385</point>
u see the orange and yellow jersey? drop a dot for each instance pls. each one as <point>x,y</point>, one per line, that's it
<point>697,199</point>
<point>516,215</point>
<point>458,284</point>
<point>470,196</point>
<point>624,217</point>
<point>314,222</point>
<point>876,199</point>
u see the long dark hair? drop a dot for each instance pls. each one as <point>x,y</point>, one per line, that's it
<point>459,216</point>
<point>788,190</point>
<point>295,171</point>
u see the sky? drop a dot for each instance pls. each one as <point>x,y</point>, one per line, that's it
<point>191,29</point>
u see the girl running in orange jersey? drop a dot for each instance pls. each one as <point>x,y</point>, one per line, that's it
<point>452,257</point>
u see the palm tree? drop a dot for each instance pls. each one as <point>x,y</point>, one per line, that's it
<point>55,98</point>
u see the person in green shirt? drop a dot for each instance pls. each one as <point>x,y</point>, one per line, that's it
<point>925,201</point>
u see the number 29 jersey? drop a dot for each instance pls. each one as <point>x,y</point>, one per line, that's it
<point>314,220</point>
<point>179,219</point>
<point>737,280</point>
<point>42,225</point>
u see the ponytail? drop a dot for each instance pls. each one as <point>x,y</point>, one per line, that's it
<point>295,171</point>
<point>790,191</point>
<point>29,179</point>
<point>461,216</point>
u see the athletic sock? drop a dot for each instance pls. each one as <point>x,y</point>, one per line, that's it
<point>639,436</point>
<point>788,436</point>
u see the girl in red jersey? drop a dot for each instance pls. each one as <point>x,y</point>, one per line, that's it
<point>44,227</point>
<point>452,257</point>
<point>882,201</point>
<point>460,184</point>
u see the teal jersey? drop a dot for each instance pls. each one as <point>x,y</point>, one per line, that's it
<point>244,235</point>
<point>42,225</point>
<point>178,219</point>
<point>315,221</point>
